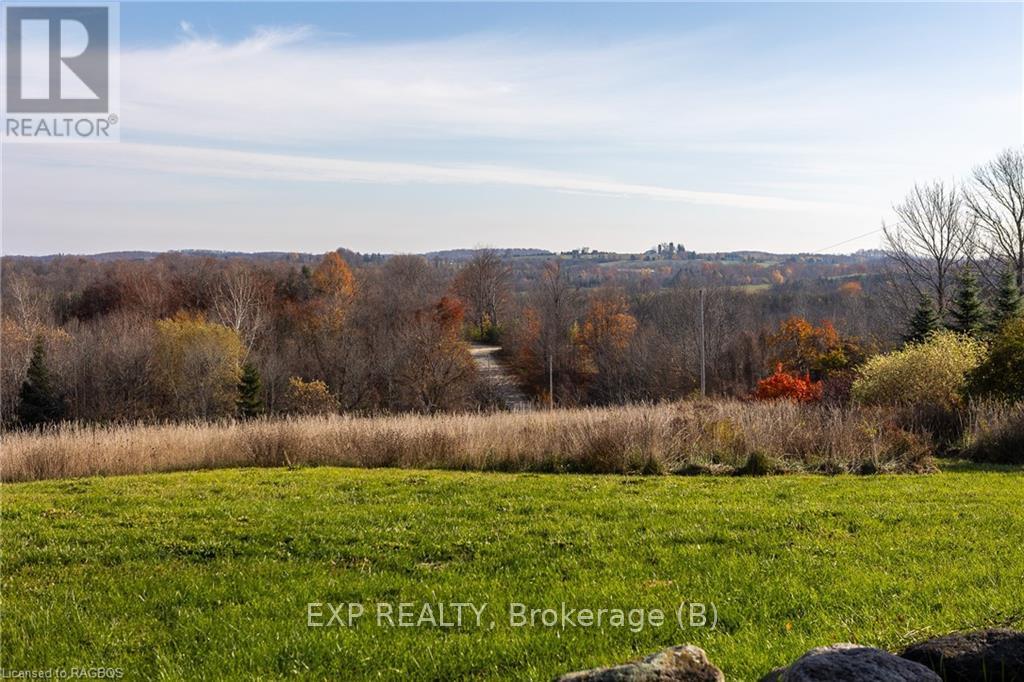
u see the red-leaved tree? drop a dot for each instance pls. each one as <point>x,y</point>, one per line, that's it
<point>785,386</point>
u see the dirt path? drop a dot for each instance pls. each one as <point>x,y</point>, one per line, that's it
<point>499,378</point>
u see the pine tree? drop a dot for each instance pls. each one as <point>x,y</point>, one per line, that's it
<point>924,323</point>
<point>1009,303</point>
<point>969,313</point>
<point>39,403</point>
<point>249,404</point>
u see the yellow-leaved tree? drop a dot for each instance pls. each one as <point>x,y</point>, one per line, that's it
<point>196,366</point>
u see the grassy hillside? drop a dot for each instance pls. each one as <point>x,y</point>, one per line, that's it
<point>209,574</point>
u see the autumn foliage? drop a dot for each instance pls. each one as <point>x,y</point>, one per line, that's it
<point>196,365</point>
<point>783,385</point>
<point>607,330</point>
<point>801,347</point>
<point>933,373</point>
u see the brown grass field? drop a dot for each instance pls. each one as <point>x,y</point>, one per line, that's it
<point>684,437</point>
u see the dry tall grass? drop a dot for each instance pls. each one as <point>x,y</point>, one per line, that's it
<point>714,436</point>
<point>996,434</point>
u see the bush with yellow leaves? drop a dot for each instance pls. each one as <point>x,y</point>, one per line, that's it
<point>309,397</point>
<point>933,373</point>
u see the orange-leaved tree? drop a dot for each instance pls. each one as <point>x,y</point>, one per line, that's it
<point>335,285</point>
<point>607,330</point>
<point>436,368</point>
<point>604,341</point>
<point>800,347</point>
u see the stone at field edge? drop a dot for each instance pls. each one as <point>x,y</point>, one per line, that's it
<point>851,663</point>
<point>676,664</point>
<point>995,655</point>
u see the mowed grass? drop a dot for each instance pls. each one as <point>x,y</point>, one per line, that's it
<point>207,575</point>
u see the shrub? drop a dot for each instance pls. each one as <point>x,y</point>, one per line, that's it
<point>933,373</point>
<point>911,449</point>
<point>309,397</point>
<point>785,386</point>
<point>486,332</point>
<point>1001,375</point>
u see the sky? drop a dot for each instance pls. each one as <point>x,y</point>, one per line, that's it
<point>397,128</point>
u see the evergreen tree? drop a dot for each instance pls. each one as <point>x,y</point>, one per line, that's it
<point>1009,303</point>
<point>39,403</point>
<point>969,313</point>
<point>249,404</point>
<point>924,323</point>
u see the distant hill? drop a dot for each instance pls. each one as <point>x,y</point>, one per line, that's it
<point>456,255</point>
<point>110,256</point>
<point>466,254</point>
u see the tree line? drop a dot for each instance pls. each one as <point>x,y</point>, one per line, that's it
<point>198,337</point>
<point>953,241</point>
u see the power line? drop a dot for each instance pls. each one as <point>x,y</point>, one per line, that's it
<point>847,241</point>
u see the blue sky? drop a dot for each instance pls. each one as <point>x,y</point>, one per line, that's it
<point>413,127</point>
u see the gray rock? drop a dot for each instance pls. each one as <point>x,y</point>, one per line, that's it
<point>677,664</point>
<point>985,655</point>
<point>851,663</point>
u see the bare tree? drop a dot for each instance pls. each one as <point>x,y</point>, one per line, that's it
<point>541,341</point>
<point>556,301</point>
<point>933,237</point>
<point>28,303</point>
<point>407,352</point>
<point>436,369</point>
<point>105,370</point>
<point>997,204</point>
<point>146,287</point>
<point>723,311</point>
<point>484,285</point>
<point>240,302</point>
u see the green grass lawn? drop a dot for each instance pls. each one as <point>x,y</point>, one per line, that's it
<point>208,575</point>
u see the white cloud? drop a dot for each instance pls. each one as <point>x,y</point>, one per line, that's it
<point>258,166</point>
<point>284,85</point>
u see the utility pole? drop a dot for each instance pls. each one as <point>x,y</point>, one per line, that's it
<point>551,380</point>
<point>703,349</point>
